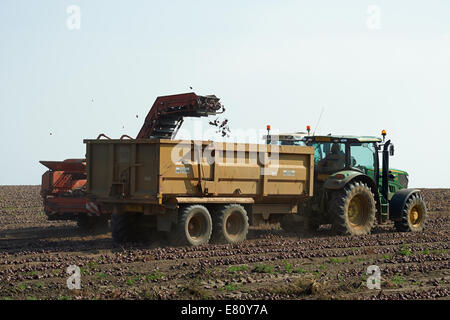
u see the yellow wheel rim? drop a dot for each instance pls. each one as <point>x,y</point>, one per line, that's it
<point>358,211</point>
<point>416,215</point>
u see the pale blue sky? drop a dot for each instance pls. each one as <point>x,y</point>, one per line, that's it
<point>277,62</point>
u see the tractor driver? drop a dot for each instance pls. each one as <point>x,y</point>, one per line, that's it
<point>334,161</point>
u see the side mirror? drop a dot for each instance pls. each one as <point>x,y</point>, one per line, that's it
<point>391,150</point>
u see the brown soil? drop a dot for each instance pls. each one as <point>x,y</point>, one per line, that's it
<point>271,264</point>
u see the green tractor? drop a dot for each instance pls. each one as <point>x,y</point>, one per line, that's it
<point>353,189</point>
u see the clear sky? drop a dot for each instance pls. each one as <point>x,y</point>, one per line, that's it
<point>371,65</point>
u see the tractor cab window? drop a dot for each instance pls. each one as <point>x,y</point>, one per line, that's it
<point>329,157</point>
<point>362,156</point>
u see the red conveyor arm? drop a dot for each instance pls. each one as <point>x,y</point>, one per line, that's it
<point>167,112</point>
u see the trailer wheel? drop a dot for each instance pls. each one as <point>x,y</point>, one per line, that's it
<point>310,225</point>
<point>307,226</point>
<point>123,227</point>
<point>230,224</point>
<point>353,209</point>
<point>288,224</point>
<point>194,227</point>
<point>414,215</point>
<point>95,224</point>
<point>84,222</point>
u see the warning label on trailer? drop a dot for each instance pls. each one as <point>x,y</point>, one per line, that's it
<point>288,173</point>
<point>183,170</point>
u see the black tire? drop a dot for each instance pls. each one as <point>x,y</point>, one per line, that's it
<point>101,224</point>
<point>288,225</point>
<point>310,226</point>
<point>307,226</point>
<point>194,227</point>
<point>353,209</point>
<point>93,224</point>
<point>230,224</point>
<point>414,215</point>
<point>84,222</point>
<point>124,227</point>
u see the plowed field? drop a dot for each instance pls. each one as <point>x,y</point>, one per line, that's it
<point>271,264</point>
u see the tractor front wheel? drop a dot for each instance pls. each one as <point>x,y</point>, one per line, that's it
<point>353,209</point>
<point>414,215</point>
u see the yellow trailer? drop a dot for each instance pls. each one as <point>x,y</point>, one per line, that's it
<point>196,191</point>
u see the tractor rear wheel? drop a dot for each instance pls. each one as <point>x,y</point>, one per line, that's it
<point>194,227</point>
<point>353,209</point>
<point>414,215</point>
<point>230,224</point>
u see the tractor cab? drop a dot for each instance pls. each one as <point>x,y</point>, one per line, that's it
<point>336,153</point>
<point>343,156</point>
<point>350,167</point>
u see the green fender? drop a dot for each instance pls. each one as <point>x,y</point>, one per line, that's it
<point>334,183</point>
<point>398,202</point>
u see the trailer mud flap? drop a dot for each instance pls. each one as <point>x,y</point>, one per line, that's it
<point>164,222</point>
